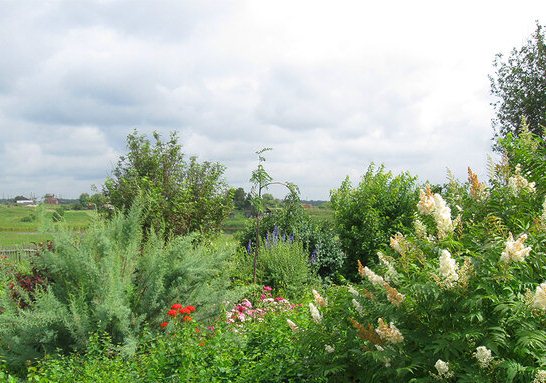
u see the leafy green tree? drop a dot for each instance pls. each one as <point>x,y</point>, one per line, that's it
<point>369,214</point>
<point>519,83</point>
<point>181,195</point>
<point>239,199</point>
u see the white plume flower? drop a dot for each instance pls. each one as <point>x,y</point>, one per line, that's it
<point>483,355</point>
<point>448,268</point>
<point>319,300</point>
<point>294,327</point>
<point>443,369</point>
<point>358,307</point>
<point>515,251</point>
<point>540,377</point>
<point>329,349</point>
<point>315,313</point>
<point>373,277</point>
<point>539,300</point>
<point>518,183</point>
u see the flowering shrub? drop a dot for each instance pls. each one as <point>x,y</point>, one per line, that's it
<point>461,298</point>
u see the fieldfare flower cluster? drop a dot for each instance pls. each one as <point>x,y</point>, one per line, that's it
<point>448,268</point>
<point>515,251</point>
<point>388,332</point>
<point>517,183</point>
<point>433,204</point>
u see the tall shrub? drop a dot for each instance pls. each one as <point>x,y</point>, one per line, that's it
<point>109,280</point>
<point>368,214</point>
<point>461,297</point>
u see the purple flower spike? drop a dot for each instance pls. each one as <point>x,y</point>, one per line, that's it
<point>249,247</point>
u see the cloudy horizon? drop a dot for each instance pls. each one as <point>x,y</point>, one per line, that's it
<point>331,87</point>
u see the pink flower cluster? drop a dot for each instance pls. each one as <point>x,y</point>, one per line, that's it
<point>245,311</point>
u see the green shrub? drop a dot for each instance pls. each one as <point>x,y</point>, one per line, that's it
<point>110,280</point>
<point>319,239</point>
<point>284,266</point>
<point>368,214</point>
<point>189,351</point>
<point>446,295</point>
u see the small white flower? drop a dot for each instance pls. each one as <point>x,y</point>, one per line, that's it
<point>540,377</point>
<point>442,216</point>
<point>391,273</point>
<point>426,202</point>
<point>448,268</point>
<point>420,229</point>
<point>443,369</point>
<point>483,355</point>
<point>518,183</point>
<point>294,327</point>
<point>319,300</point>
<point>353,291</point>
<point>358,306</point>
<point>373,277</point>
<point>515,250</point>
<point>539,300</point>
<point>315,313</point>
<point>329,349</point>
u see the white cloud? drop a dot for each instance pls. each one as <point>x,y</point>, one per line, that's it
<point>331,86</point>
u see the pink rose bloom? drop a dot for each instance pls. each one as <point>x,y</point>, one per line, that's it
<point>246,303</point>
<point>267,288</point>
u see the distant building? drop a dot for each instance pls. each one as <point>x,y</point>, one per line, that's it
<point>50,199</point>
<point>24,202</point>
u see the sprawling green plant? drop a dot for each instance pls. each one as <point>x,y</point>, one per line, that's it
<point>460,298</point>
<point>109,280</point>
<point>190,351</point>
<point>368,214</point>
<point>285,266</point>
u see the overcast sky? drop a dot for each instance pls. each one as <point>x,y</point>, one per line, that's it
<point>330,85</point>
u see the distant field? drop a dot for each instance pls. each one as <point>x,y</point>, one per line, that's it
<point>236,222</point>
<point>321,213</point>
<point>21,225</point>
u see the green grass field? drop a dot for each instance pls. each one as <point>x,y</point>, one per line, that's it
<point>321,213</point>
<point>21,225</point>
<point>235,222</point>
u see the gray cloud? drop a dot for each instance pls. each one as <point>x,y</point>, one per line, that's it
<point>329,88</point>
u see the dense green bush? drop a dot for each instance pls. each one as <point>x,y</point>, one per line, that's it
<point>319,239</point>
<point>368,214</point>
<point>109,280</point>
<point>457,299</point>
<point>189,351</point>
<point>183,195</point>
<point>284,265</point>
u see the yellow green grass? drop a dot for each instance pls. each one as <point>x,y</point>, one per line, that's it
<point>22,225</point>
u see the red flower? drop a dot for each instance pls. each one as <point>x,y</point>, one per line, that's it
<point>172,313</point>
<point>191,308</point>
<point>176,306</point>
<point>187,318</point>
<point>164,324</point>
<point>185,310</point>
